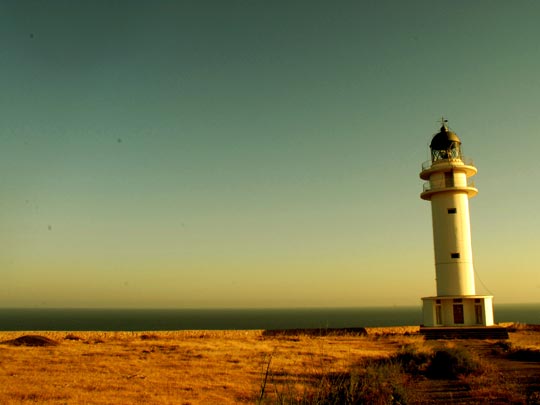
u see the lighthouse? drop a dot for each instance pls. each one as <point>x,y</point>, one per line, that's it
<point>448,187</point>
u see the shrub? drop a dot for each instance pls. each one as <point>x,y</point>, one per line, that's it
<point>71,336</point>
<point>517,353</point>
<point>149,336</point>
<point>411,360</point>
<point>502,346</point>
<point>524,354</point>
<point>450,363</point>
<point>379,382</point>
<point>533,398</point>
<point>382,383</point>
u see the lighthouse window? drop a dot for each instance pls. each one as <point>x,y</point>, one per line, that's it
<point>478,314</point>
<point>454,255</point>
<point>449,179</point>
<point>438,314</point>
<point>458,314</point>
<point>452,210</point>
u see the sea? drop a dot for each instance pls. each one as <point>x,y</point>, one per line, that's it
<point>77,319</point>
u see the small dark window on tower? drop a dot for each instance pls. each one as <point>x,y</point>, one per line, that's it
<point>449,179</point>
<point>452,210</point>
<point>454,255</point>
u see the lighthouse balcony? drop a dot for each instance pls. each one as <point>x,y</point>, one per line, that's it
<point>430,188</point>
<point>462,164</point>
<point>459,160</point>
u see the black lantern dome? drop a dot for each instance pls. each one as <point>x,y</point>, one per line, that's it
<point>445,145</point>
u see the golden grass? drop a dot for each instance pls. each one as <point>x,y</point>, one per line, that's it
<point>181,367</point>
<point>187,367</point>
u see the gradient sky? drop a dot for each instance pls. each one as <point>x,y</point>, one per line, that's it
<point>259,153</point>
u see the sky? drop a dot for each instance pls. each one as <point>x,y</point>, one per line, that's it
<point>248,153</point>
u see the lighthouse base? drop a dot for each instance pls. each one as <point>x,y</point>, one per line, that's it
<point>458,311</point>
<point>465,332</point>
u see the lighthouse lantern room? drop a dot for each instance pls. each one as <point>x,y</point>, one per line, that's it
<point>448,187</point>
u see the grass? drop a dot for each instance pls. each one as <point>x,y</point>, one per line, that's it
<point>186,367</point>
<point>385,380</point>
<point>231,367</point>
<point>397,378</point>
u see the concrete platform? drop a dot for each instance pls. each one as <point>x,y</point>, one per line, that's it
<point>473,332</point>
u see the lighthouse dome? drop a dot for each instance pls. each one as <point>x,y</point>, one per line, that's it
<point>445,145</point>
<point>444,140</point>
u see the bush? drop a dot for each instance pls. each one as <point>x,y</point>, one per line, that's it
<point>524,354</point>
<point>383,383</point>
<point>380,382</point>
<point>71,336</point>
<point>501,346</point>
<point>533,398</point>
<point>516,353</point>
<point>411,360</point>
<point>450,363</point>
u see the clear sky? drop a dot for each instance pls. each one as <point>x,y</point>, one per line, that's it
<point>259,153</point>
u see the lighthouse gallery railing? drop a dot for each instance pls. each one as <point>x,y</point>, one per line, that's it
<point>439,185</point>
<point>465,160</point>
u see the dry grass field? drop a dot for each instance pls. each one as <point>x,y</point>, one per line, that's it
<point>195,367</point>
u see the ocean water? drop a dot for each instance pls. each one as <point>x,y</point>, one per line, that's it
<point>17,319</point>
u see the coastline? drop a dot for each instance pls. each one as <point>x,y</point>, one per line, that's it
<point>371,331</point>
<point>87,319</point>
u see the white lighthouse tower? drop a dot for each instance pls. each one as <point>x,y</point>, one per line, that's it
<point>448,187</point>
